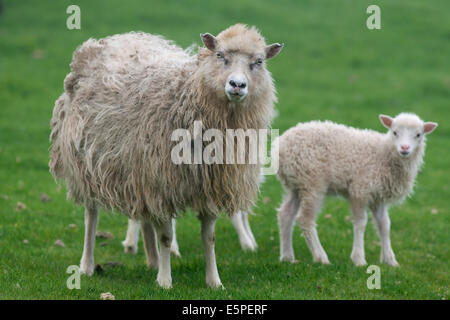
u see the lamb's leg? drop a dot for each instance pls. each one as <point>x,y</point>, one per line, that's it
<point>248,229</point>
<point>359,226</point>
<point>384,224</point>
<point>238,223</point>
<point>90,223</point>
<point>130,243</point>
<point>150,245</point>
<point>286,216</point>
<point>164,233</point>
<point>309,207</point>
<point>208,238</point>
<point>174,246</point>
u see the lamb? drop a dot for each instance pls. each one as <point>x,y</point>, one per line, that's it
<point>239,221</point>
<point>370,169</point>
<point>111,133</point>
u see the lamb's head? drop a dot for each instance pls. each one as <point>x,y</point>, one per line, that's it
<point>233,63</point>
<point>407,131</point>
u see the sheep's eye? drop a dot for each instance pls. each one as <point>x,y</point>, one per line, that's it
<point>219,54</point>
<point>395,133</point>
<point>418,135</point>
<point>256,63</point>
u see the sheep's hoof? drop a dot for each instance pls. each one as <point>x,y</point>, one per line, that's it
<point>87,269</point>
<point>164,283</point>
<point>248,247</point>
<point>215,285</point>
<point>288,259</point>
<point>175,252</point>
<point>392,263</point>
<point>389,259</point>
<point>322,260</point>
<point>358,260</point>
<point>152,265</point>
<point>360,263</point>
<point>130,249</point>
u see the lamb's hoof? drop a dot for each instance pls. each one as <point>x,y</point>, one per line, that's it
<point>165,283</point>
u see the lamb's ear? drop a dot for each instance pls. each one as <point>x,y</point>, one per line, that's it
<point>386,121</point>
<point>273,49</point>
<point>209,41</point>
<point>429,127</point>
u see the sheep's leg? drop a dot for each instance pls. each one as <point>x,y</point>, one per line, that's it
<point>90,223</point>
<point>164,233</point>
<point>212,275</point>
<point>238,223</point>
<point>248,229</point>
<point>359,226</point>
<point>309,207</point>
<point>174,246</point>
<point>384,224</point>
<point>150,245</point>
<point>130,243</point>
<point>286,216</point>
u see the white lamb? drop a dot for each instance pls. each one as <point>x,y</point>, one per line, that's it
<point>368,168</point>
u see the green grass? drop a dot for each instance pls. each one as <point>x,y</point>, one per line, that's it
<point>332,67</point>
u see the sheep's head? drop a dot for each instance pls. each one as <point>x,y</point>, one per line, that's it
<point>233,63</point>
<point>407,132</point>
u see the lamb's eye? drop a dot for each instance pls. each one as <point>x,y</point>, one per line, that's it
<point>418,135</point>
<point>258,61</point>
<point>219,54</point>
<point>395,133</point>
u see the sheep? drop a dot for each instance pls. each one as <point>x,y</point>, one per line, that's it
<point>239,221</point>
<point>111,133</point>
<point>370,169</point>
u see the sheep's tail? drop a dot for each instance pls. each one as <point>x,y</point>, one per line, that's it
<point>84,59</point>
<point>59,112</point>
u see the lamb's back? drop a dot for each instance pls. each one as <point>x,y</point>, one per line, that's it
<point>327,153</point>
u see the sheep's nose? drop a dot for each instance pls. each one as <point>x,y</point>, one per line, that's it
<point>238,84</point>
<point>405,147</point>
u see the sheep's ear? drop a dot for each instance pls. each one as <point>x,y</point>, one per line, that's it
<point>429,127</point>
<point>209,41</point>
<point>386,121</point>
<point>273,50</point>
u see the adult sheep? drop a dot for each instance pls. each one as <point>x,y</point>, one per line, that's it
<point>239,221</point>
<point>112,127</point>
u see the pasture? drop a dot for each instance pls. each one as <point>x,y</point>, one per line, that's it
<point>332,67</point>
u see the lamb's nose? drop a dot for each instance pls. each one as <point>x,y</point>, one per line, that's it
<point>405,147</point>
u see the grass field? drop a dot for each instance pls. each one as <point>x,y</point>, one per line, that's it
<point>332,67</point>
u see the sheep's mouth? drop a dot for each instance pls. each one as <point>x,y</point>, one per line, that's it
<point>234,96</point>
